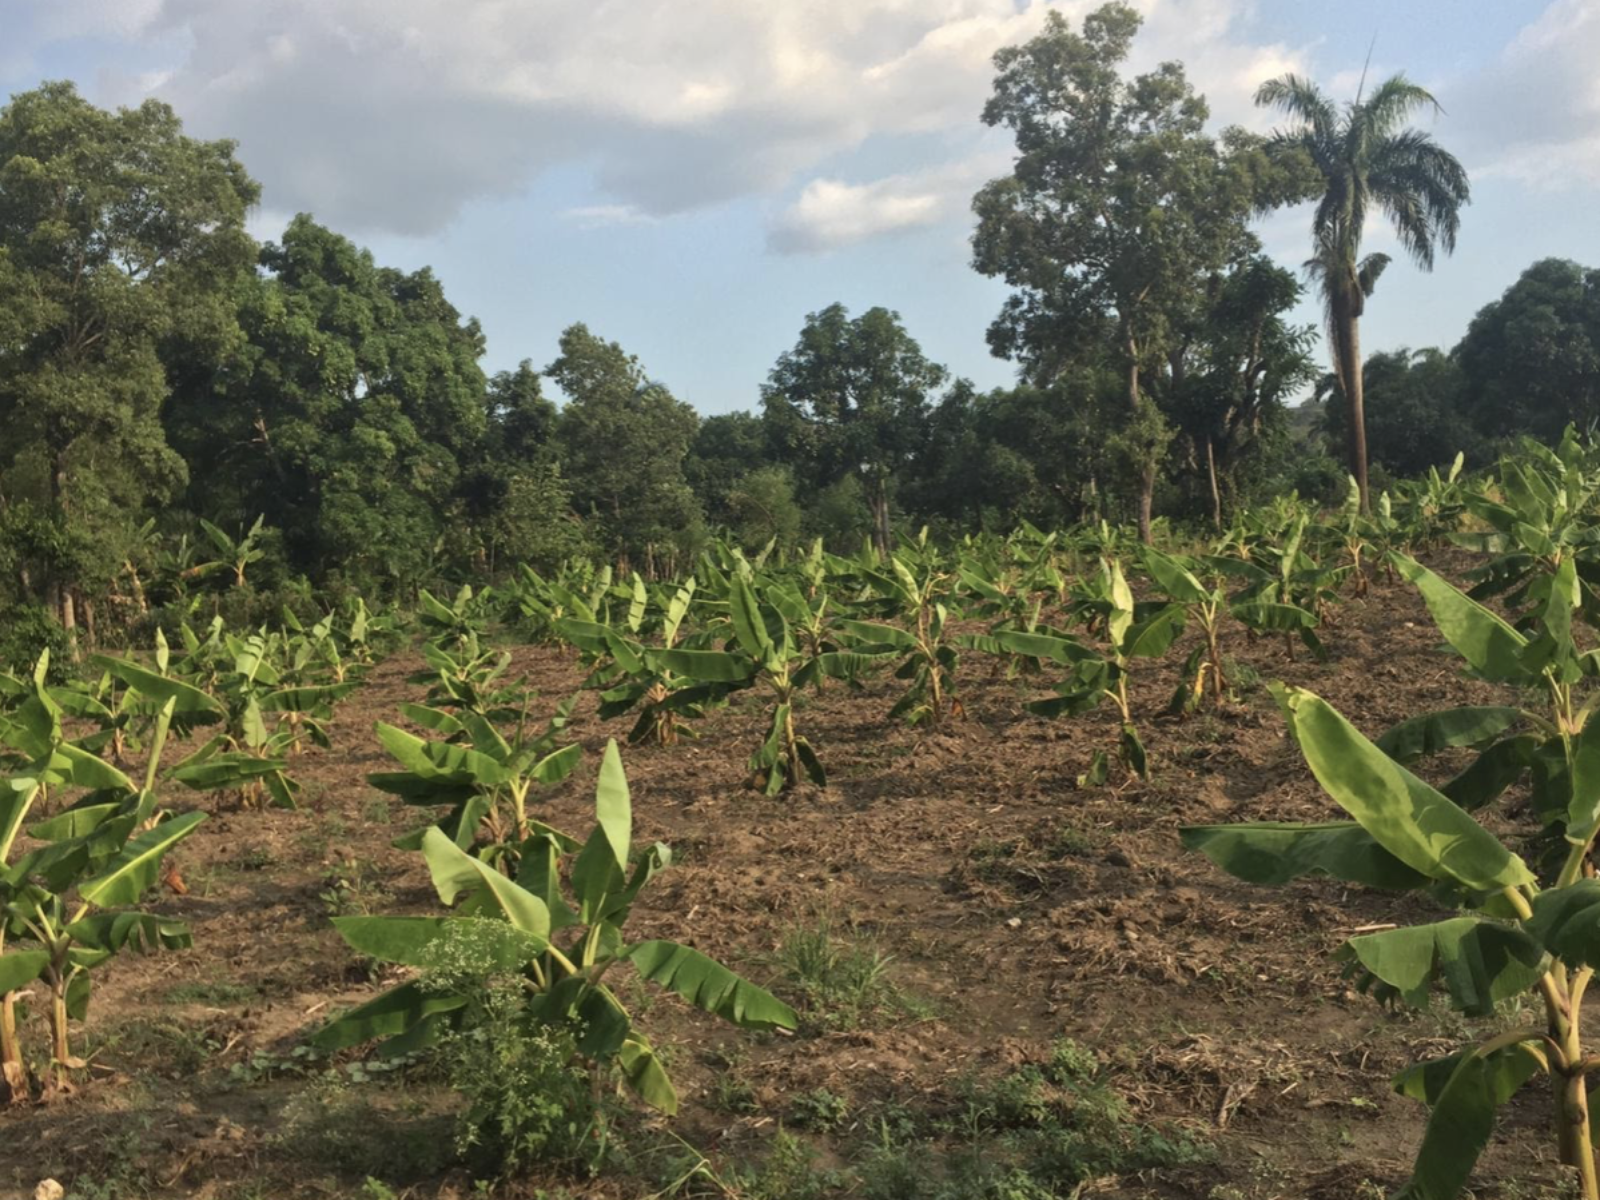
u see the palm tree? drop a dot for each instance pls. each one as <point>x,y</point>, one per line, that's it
<point>1367,158</point>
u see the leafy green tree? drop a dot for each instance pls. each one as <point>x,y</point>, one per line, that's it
<point>514,494</point>
<point>852,398</point>
<point>120,239</point>
<point>623,439</point>
<point>1241,362</point>
<point>347,416</point>
<point>726,448</point>
<point>1118,203</point>
<point>1415,420</point>
<point>1038,454</point>
<point>1530,361</point>
<point>1367,159</point>
<point>763,508</point>
<point>522,419</point>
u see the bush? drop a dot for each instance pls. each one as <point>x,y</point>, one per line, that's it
<point>528,1100</point>
<point>27,630</point>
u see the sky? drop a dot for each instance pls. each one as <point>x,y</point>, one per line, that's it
<point>690,178</point>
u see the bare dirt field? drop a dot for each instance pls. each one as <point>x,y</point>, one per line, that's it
<point>1013,907</point>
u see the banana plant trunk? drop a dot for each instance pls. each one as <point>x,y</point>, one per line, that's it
<point>1219,685</point>
<point>60,1043</point>
<point>13,1072</point>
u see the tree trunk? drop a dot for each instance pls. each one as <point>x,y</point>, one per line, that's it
<point>1147,471</point>
<point>69,621</point>
<point>1348,349</point>
<point>879,503</point>
<point>1211,476</point>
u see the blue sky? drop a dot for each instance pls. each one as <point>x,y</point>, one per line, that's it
<point>691,177</point>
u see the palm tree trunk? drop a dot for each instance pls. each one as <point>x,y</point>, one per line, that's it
<point>1348,348</point>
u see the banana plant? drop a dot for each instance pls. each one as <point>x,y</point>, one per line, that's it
<point>1132,632</point>
<point>1437,504</point>
<point>156,701</point>
<point>264,719</point>
<point>464,675</point>
<point>233,554</point>
<point>465,615</point>
<point>485,777</point>
<point>1353,530</point>
<point>1542,661</point>
<point>762,651</point>
<point>536,604</point>
<point>1508,932</point>
<point>557,931</point>
<point>1543,517</point>
<point>1289,599</point>
<point>63,902</point>
<point>1208,607</point>
<point>928,657</point>
<point>634,677</point>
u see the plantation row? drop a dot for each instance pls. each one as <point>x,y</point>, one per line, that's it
<point>93,764</point>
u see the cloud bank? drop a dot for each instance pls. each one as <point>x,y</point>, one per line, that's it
<point>392,116</point>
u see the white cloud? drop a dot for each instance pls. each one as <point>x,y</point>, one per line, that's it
<point>602,216</point>
<point>391,115</point>
<point>1534,114</point>
<point>831,213</point>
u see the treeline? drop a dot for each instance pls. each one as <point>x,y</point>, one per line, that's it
<point>183,408</point>
<point>1529,363</point>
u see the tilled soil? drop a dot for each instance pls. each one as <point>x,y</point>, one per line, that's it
<point>1016,906</point>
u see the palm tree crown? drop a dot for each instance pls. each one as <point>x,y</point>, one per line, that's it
<point>1367,159</point>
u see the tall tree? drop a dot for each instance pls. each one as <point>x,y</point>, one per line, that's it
<point>1415,420</point>
<point>623,438</point>
<point>1367,159</point>
<point>347,416</point>
<point>514,494</point>
<point>1117,206</point>
<point>119,238</point>
<point>1530,361</point>
<point>1244,361</point>
<point>727,447</point>
<point>852,399</point>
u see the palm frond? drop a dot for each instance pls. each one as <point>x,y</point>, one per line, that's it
<point>1423,188</point>
<point>1391,103</point>
<point>1298,97</point>
<point>1368,271</point>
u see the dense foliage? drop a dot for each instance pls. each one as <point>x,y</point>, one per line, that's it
<point>190,422</point>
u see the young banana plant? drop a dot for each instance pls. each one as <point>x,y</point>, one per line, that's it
<point>1207,607</point>
<point>634,677</point>
<point>263,718</point>
<point>233,554</point>
<point>1544,516</point>
<point>1437,504</point>
<point>1518,925</point>
<point>557,931</point>
<point>64,898</point>
<point>928,657</point>
<point>1289,599</point>
<point>1510,936</point>
<point>484,777</point>
<point>1132,631</point>
<point>762,651</point>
